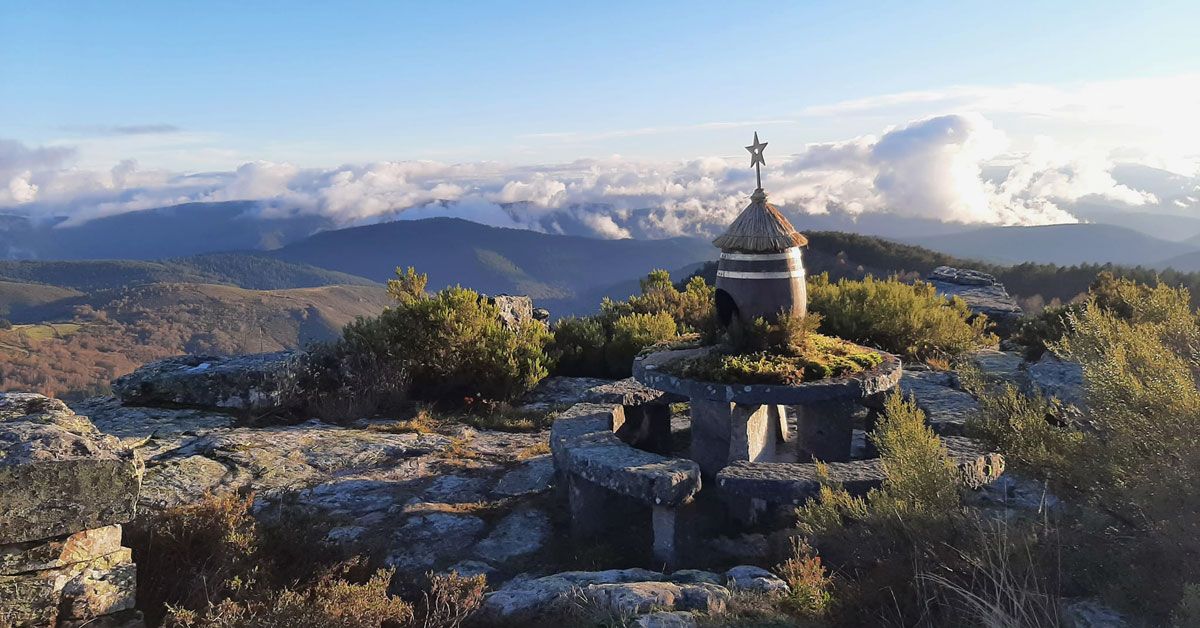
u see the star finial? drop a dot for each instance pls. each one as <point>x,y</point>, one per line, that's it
<point>756,157</point>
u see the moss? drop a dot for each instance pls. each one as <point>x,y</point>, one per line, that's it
<point>823,357</point>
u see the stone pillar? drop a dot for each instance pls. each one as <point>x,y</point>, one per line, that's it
<point>825,430</point>
<point>663,521</point>
<point>723,432</point>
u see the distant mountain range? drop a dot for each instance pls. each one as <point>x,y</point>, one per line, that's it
<point>1066,245</point>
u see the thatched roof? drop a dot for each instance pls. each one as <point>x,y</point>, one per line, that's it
<point>760,228</point>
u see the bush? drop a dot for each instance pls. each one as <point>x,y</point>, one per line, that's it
<point>604,345</point>
<point>1030,431</point>
<point>578,347</point>
<point>911,320</point>
<point>808,583</point>
<point>449,346</point>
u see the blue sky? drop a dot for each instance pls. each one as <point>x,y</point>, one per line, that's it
<point>364,110</point>
<point>322,83</point>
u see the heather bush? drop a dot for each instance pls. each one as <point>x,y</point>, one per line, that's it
<point>633,332</point>
<point>911,320</point>
<point>605,344</point>
<point>448,346</point>
<point>1032,432</point>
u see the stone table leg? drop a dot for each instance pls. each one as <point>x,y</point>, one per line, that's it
<point>723,432</point>
<point>825,431</point>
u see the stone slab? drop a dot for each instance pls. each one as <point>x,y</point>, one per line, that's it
<point>54,482</point>
<point>257,382</point>
<point>73,548</point>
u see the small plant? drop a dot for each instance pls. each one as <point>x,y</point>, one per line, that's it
<point>451,599</point>
<point>809,585</point>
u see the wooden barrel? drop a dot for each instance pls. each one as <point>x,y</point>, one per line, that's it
<point>760,284</point>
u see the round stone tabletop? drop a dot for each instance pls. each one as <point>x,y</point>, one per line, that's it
<point>648,370</point>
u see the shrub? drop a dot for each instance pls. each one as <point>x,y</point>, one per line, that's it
<point>808,583</point>
<point>452,599</point>
<point>1030,431</point>
<point>448,346</point>
<point>632,333</point>
<point>822,357</point>
<point>1038,333</point>
<point>578,348</point>
<point>604,345</point>
<point>912,320</point>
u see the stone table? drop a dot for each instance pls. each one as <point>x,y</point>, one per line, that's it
<point>732,422</point>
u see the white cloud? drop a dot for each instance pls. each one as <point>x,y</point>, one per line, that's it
<point>931,167</point>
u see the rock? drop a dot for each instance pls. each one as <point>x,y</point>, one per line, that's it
<point>533,476</point>
<point>524,599</point>
<point>35,408</point>
<point>704,597</point>
<point>696,576</point>
<point>472,568</point>
<point>54,481</point>
<point>946,408</point>
<point>515,311</point>
<point>455,489</point>
<point>665,619</point>
<point>751,578</point>
<point>541,314</point>
<point>633,598</point>
<point>1057,378</point>
<point>560,392</point>
<point>998,365</point>
<point>979,291</point>
<point>426,540</point>
<point>59,552</point>
<point>744,547</point>
<point>519,534</point>
<point>134,422</point>
<point>256,383</point>
<point>80,591</point>
<point>1091,614</point>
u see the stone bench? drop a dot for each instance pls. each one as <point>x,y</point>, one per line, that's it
<point>752,488</point>
<point>596,464</point>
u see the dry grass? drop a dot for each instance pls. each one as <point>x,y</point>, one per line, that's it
<point>461,508</point>
<point>532,451</point>
<point>459,448</point>
<point>451,599</point>
<point>422,422</point>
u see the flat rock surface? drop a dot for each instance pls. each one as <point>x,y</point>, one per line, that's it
<point>423,501</point>
<point>946,408</point>
<point>563,392</point>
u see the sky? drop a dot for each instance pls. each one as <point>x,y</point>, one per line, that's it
<point>365,109</point>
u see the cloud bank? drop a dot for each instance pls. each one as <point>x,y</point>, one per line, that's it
<point>931,168</point>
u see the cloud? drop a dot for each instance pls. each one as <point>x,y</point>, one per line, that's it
<point>950,167</point>
<point>122,129</point>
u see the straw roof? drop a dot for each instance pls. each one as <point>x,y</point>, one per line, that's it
<point>760,228</point>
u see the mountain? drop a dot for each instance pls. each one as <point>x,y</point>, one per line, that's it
<point>244,270</point>
<point>557,271</point>
<point>162,232</point>
<point>1065,244</point>
<point>77,345</point>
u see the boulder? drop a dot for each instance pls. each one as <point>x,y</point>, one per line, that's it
<point>946,408</point>
<point>515,311</point>
<point>980,291</point>
<point>254,383</point>
<point>56,481</point>
<point>751,578</point>
<point>60,551</point>
<point>81,591</point>
<point>1057,378</point>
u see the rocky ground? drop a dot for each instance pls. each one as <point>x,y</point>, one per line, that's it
<point>482,501</point>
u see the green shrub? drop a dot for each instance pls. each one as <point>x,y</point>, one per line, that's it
<point>633,332</point>
<point>911,320</point>
<point>449,346</point>
<point>578,348</point>
<point>1030,431</point>
<point>821,357</point>
<point>1036,334</point>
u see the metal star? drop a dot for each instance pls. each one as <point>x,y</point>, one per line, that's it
<point>756,158</point>
<point>756,151</point>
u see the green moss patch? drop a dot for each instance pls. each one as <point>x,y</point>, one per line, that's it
<point>823,357</point>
